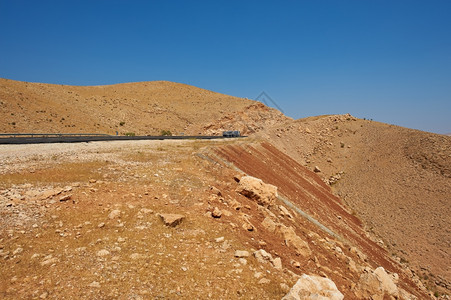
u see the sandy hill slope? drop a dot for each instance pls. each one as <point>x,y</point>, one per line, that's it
<point>397,180</point>
<point>94,221</point>
<point>144,108</point>
<point>393,181</point>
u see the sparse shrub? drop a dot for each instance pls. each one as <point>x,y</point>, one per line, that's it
<point>166,133</point>
<point>436,294</point>
<point>122,123</point>
<point>342,145</point>
<point>130,134</point>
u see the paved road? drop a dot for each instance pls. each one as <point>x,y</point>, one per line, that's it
<point>80,139</point>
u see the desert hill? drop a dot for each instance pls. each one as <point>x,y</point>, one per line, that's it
<point>144,108</point>
<point>391,185</point>
<point>397,180</point>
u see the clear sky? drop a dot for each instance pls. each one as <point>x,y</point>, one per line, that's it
<point>385,60</point>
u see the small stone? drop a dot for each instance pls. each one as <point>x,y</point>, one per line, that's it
<point>18,251</point>
<point>92,181</point>
<point>103,252</point>
<point>242,253</point>
<point>215,191</point>
<point>296,264</point>
<point>121,240</point>
<point>44,295</point>
<point>317,169</point>
<point>49,261</point>
<point>146,211</point>
<point>247,226</point>
<point>94,284</point>
<point>135,256</point>
<point>101,225</point>
<point>219,239</point>
<point>264,281</point>
<point>171,220</point>
<point>277,263</point>
<point>114,214</point>
<point>243,261</point>
<point>284,287</point>
<point>216,213</point>
<point>65,198</point>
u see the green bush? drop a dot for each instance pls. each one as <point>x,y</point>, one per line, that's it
<point>166,133</point>
<point>130,134</point>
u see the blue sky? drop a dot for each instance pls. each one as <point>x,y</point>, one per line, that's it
<point>385,60</point>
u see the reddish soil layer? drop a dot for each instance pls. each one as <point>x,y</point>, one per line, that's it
<point>309,193</point>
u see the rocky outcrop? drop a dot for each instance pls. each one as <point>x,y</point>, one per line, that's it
<point>376,284</point>
<point>253,188</point>
<point>314,287</point>
<point>293,240</point>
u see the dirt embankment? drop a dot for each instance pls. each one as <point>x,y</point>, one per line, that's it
<point>84,222</point>
<point>395,179</point>
<point>309,193</point>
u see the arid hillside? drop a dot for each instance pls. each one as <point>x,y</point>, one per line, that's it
<point>381,189</point>
<point>181,219</point>
<point>396,180</point>
<point>144,108</point>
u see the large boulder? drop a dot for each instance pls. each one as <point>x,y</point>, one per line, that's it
<point>253,188</point>
<point>376,284</point>
<point>314,287</point>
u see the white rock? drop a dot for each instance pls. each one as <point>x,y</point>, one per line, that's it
<point>241,253</point>
<point>277,262</point>
<point>387,283</point>
<point>18,251</point>
<point>94,284</point>
<point>314,287</point>
<point>103,252</point>
<point>114,214</point>
<point>253,188</point>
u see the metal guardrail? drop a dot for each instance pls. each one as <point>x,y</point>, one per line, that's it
<point>8,135</point>
<point>38,138</point>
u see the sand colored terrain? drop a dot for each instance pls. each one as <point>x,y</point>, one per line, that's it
<point>83,222</point>
<point>389,186</point>
<point>144,108</point>
<point>397,180</point>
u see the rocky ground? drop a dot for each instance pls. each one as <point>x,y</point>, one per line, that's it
<point>396,180</point>
<point>393,182</point>
<point>168,219</point>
